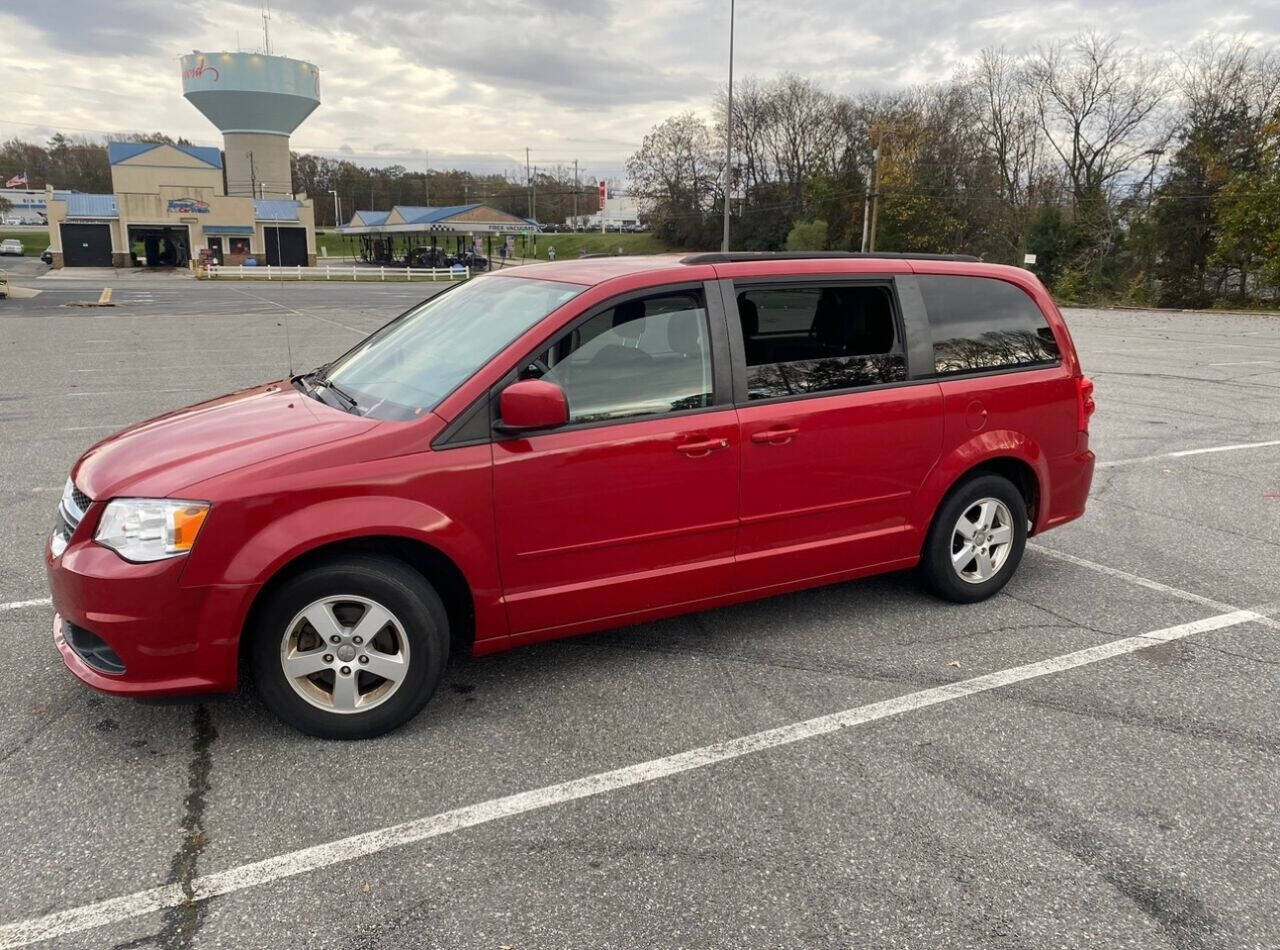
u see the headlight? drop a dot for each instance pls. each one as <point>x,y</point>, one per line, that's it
<point>150,529</point>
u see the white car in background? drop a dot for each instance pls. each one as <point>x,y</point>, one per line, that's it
<point>11,246</point>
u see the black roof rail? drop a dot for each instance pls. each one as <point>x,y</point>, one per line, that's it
<point>730,257</point>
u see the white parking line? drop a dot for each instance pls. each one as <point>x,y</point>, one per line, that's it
<point>245,876</point>
<point>1244,363</point>
<point>1185,452</point>
<point>19,604</point>
<point>1139,581</point>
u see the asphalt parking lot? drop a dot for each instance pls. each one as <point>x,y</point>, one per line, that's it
<point>1091,759</point>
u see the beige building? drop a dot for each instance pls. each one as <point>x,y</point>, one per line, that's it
<point>170,203</point>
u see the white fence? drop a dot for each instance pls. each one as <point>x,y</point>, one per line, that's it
<point>336,272</point>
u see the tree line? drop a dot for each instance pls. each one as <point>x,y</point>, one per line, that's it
<point>1128,176</point>
<point>80,163</point>
<point>547,195</point>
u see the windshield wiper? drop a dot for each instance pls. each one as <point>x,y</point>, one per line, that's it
<point>348,400</point>
<point>313,382</point>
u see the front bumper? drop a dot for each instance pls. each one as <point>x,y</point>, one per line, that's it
<point>169,639</point>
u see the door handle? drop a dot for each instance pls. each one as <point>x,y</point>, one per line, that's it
<point>705,447</point>
<point>779,436</point>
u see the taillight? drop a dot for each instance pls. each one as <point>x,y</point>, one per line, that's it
<point>1084,402</point>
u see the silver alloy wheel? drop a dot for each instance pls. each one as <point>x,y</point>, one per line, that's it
<point>345,654</point>
<point>981,540</point>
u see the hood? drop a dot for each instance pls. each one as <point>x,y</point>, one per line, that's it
<point>157,458</point>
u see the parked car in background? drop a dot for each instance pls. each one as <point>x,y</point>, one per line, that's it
<point>569,447</point>
<point>476,262</point>
<point>427,256</point>
<point>11,247</point>
<point>47,255</point>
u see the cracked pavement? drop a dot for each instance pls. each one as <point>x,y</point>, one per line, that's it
<point>1134,802</point>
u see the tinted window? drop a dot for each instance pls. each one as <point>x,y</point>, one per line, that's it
<point>812,338</point>
<point>639,358</point>
<point>420,357</point>
<point>984,323</point>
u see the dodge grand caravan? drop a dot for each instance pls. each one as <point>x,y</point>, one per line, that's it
<point>567,447</point>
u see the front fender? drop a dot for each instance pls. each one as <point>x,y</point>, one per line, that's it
<point>272,542</point>
<point>974,451</point>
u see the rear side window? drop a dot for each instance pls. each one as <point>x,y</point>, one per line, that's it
<point>814,338</point>
<point>982,323</point>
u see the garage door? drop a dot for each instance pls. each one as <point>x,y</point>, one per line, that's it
<point>286,246</point>
<point>86,245</point>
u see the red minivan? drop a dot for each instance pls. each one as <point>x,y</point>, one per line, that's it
<point>566,447</point>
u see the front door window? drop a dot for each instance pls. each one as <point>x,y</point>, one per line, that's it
<point>639,358</point>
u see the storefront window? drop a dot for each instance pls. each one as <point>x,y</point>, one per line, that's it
<point>239,245</point>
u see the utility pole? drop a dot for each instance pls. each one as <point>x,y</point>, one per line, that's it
<point>866,201</point>
<point>728,140</point>
<point>337,212</point>
<point>575,194</point>
<point>528,180</point>
<point>253,178</point>
<point>426,176</point>
<point>875,193</point>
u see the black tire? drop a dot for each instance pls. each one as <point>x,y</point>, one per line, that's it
<point>936,560</point>
<point>402,591</point>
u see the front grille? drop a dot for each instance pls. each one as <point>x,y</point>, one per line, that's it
<point>71,509</point>
<point>63,525</point>
<point>82,500</point>
<point>92,649</point>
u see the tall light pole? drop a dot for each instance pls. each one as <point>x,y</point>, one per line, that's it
<point>728,139</point>
<point>337,213</point>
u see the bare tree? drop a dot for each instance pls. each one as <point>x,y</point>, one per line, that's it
<point>801,135</point>
<point>676,169</point>
<point>1007,113</point>
<point>1008,121</point>
<point>753,115</point>
<point>1101,109</point>
<point>1228,82</point>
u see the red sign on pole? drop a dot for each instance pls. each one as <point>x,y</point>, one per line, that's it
<point>604,193</point>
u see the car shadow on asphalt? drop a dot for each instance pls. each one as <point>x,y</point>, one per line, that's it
<point>790,631</point>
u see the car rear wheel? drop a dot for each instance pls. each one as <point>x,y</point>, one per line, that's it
<point>352,648</point>
<point>976,541</point>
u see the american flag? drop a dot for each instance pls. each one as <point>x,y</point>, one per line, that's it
<point>16,180</point>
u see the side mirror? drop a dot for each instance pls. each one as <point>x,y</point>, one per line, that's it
<point>530,405</point>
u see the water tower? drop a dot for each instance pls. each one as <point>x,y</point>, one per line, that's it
<point>257,100</point>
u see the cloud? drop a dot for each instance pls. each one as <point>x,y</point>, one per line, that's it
<point>478,81</point>
<point>117,28</point>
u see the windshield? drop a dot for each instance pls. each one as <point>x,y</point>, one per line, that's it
<point>412,363</point>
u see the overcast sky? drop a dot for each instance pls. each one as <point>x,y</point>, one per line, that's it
<point>474,83</point>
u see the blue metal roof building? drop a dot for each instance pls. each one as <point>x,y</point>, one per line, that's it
<point>118,152</point>
<point>170,205</point>
<point>467,219</point>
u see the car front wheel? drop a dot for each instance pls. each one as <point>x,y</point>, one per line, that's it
<point>976,540</point>
<point>352,648</point>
